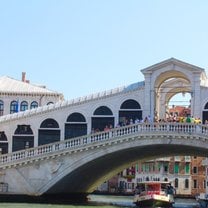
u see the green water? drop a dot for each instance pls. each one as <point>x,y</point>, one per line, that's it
<point>25,205</point>
<point>102,201</point>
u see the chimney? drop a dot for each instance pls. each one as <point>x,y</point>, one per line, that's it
<point>23,76</point>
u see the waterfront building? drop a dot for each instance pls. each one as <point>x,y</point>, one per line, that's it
<point>16,95</point>
<point>19,96</point>
<point>186,173</point>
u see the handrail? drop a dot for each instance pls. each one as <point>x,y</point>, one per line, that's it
<point>91,139</point>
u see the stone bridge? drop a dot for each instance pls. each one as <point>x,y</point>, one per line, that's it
<point>79,165</point>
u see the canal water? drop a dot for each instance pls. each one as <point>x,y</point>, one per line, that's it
<point>103,201</point>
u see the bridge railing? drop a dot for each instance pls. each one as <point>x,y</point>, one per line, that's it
<point>87,140</point>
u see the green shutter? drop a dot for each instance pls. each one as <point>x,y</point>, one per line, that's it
<point>187,168</point>
<point>176,168</point>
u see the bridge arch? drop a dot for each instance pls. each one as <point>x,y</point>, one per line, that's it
<point>48,132</point>
<point>168,75</point>
<point>101,163</point>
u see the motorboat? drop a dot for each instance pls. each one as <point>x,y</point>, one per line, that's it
<point>154,194</point>
<point>202,199</point>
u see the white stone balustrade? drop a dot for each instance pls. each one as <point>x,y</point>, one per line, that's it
<point>198,130</point>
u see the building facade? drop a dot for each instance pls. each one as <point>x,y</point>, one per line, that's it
<point>19,96</point>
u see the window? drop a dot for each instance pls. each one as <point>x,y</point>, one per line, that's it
<point>194,169</point>
<point>34,104</point>
<point>23,106</point>
<point>14,107</point>
<point>186,183</point>
<point>1,108</point>
<point>165,168</point>
<point>195,183</point>
<point>176,183</point>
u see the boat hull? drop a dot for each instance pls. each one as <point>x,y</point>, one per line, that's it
<point>203,203</point>
<point>154,201</point>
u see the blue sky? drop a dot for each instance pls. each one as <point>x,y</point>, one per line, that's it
<point>79,47</point>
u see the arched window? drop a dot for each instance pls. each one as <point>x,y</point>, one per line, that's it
<point>23,129</point>
<point>186,183</point>
<point>49,132</point>
<point>34,104</point>
<point>75,126</point>
<point>130,104</point>
<point>23,138</point>
<point>24,106</point>
<point>76,117</point>
<point>49,123</point>
<point>176,183</point>
<point>14,107</point>
<point>49,103</point>
<point>103,110</point>
<point>102,119</point>
<point>130,111</point>
<point>1,108</point>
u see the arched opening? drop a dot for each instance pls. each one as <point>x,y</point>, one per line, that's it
<point>167,89</point>
<point>179,107</point>
<point>23,138</point>
<point>3,143</point>
<point>75,126</point>
<point>130,111</point>
<point>205,114</point>
<point>49,132</point>
<point>102,118</point>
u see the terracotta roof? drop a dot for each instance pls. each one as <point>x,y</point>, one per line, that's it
<point>10,85</point>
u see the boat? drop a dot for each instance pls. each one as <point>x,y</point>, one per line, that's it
<point>154,194</point>
<point>202,199</point>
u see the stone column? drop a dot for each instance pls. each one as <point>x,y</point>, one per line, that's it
<point>196,96</point>
<point>147,96</point>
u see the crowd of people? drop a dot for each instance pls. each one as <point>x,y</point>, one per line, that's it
<point>147,119</point>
